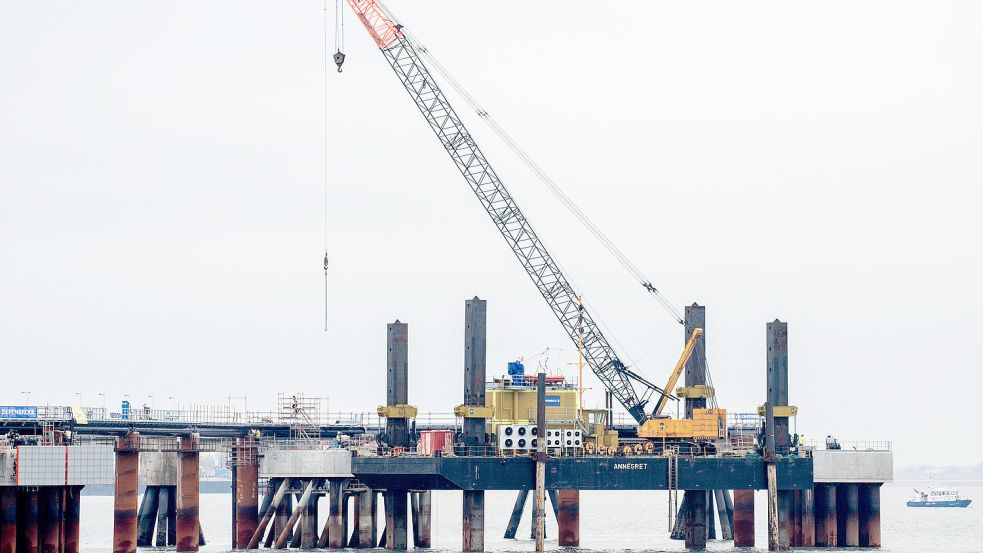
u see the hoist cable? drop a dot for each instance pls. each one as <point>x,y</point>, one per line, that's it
<point>325,125</point>
<point>457,86</point>
<point>568,202</point>
<point>339,28</point>
<point>537,170</point>
<point>709,379</point>
<point>557,191</point>
<point>325,158</point>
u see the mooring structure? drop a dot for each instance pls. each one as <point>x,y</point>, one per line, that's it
<point>817,497</point>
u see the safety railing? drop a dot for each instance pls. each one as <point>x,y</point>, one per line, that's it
<point>225,415</point>
<point>744,421</point>
<point>222,415</point>
<point>154,443</point>
<point>527,383</point>
<point>833,444</point>
<point>218,415</point>
<point>368,421</point>
<point>192,414</point>
<point>274,443</point>
<point>648,449</point>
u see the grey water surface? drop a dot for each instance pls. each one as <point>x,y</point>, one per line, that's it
<point>610,521</point>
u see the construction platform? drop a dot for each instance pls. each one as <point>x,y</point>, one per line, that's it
<point>284,461</point>
<point>578,473</point>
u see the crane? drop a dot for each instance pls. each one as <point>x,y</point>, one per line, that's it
<point>676,371</point>
<point>559,294</point>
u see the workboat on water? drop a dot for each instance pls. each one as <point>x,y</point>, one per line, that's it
<point>936,496</point>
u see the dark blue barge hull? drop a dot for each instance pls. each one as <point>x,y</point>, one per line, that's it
<point>580,473</point>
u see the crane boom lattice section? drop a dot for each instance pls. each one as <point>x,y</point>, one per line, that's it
<point>513,225</point>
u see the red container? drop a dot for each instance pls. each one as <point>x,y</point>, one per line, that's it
<point>533,378</point>
<point>432,441</point>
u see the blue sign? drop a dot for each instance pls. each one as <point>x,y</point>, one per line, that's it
<point>552,401</point>
<point>18,412</point>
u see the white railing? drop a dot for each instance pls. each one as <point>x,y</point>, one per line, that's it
<point>226,415</point>
<point>852,445</point>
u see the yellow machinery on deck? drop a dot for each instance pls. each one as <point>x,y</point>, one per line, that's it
<point>508,402</point>
<point>512,402</point>
<point>595,424</point>
<point>706,424</point>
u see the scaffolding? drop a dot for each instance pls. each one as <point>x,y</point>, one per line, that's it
<point>301,414</point>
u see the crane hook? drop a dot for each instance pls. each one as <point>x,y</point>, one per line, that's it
<point>339,59</point>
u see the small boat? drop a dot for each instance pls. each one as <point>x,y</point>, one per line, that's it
<point>937,496</point>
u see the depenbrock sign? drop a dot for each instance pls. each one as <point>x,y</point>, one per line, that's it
<point>18,412</point>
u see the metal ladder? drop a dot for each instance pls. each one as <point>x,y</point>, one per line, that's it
<point>673,485</point>
<point>47,433</point>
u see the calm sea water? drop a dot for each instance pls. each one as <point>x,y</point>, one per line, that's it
<point>610,521</point>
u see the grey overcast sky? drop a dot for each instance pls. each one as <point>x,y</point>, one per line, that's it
<point>161,225</point>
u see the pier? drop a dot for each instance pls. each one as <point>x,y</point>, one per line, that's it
<point>377,472</point>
